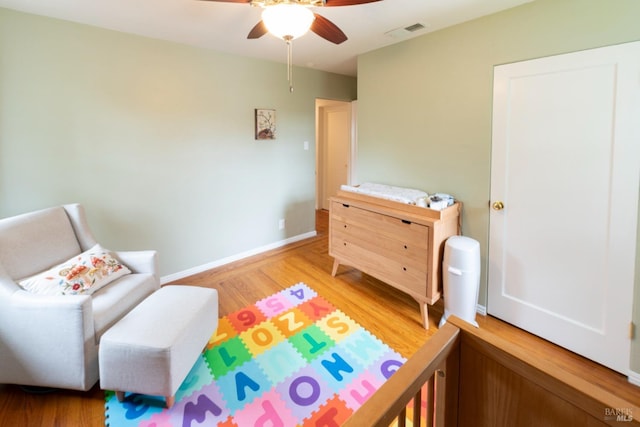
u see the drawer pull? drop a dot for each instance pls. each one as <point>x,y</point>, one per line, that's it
<point>404,268</point>
<point>406,221</point>
<point>345,205</point>
<point>405,246</point>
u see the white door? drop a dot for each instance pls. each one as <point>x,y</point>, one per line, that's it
<point>335,149</point>
<point>566,168</point>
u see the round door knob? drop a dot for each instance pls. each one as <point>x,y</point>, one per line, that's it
<point>498,206</point>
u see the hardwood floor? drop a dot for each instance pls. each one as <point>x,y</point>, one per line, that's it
<point>387,313</point>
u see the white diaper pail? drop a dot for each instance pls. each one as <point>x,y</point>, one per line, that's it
<point>461,278</point>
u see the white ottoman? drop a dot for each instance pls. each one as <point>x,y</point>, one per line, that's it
<point>152,349</point>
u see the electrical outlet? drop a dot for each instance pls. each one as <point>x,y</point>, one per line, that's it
<point>306,145</point>
<point>281,224</point>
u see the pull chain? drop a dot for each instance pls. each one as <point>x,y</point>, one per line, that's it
<point>289,40</point>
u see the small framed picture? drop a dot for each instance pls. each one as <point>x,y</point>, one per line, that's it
<point>265,123</point>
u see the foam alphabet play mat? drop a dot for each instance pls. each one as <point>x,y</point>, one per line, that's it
<point>291,359</point>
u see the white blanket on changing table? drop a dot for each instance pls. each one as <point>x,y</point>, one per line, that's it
<point>389,192</point>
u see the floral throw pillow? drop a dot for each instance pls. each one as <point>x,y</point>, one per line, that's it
<point>82,274</point>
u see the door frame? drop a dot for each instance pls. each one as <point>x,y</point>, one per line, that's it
<point>320,106</point>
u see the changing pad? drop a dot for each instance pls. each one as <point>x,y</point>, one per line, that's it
<point>389,192</point>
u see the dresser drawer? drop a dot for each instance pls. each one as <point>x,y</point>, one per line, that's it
<point>404,276</point>
<point>344,234</point>
<point>396,228</point>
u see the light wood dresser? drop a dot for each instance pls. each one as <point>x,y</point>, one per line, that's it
<point>398,243</point>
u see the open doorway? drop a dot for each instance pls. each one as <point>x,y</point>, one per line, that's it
<point>335,148</point>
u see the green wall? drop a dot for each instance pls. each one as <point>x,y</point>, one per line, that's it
<point>424,106</point>
<point>156,139</point>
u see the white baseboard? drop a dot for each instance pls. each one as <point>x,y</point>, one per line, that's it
<point>481,309</point>
<point>634,378</point>
<point>227,260</point>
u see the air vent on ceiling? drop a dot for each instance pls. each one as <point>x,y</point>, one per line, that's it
<point>405,32</point>
<point>414,27</point>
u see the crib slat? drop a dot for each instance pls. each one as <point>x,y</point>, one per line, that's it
<point>417,408</point>
<point>439,396</point>
<point>430,402</point>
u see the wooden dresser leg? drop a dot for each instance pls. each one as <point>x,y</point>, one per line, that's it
<point>120,396</point>
<point>336,264</point>
<point>424,311</point>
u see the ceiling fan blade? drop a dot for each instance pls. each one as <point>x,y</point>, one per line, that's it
<point>258,31</point>
<point>327,30</point>
<point>333,3</point>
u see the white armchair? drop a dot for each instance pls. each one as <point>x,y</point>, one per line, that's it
<point>52,340</point>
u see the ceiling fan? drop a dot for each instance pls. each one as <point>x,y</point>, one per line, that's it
<point>290,19</point>
<point>318,24</point>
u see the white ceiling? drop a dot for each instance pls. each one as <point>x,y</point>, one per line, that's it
<point>224,26</point>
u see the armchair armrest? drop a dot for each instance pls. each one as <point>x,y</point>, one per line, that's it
<point>140,261</point>
<point>47,311</point>
<point>46,340</point>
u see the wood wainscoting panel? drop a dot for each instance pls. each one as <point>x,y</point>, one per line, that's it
<point>492,395</point>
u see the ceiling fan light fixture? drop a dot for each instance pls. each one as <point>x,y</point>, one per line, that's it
<point>287,21</point>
